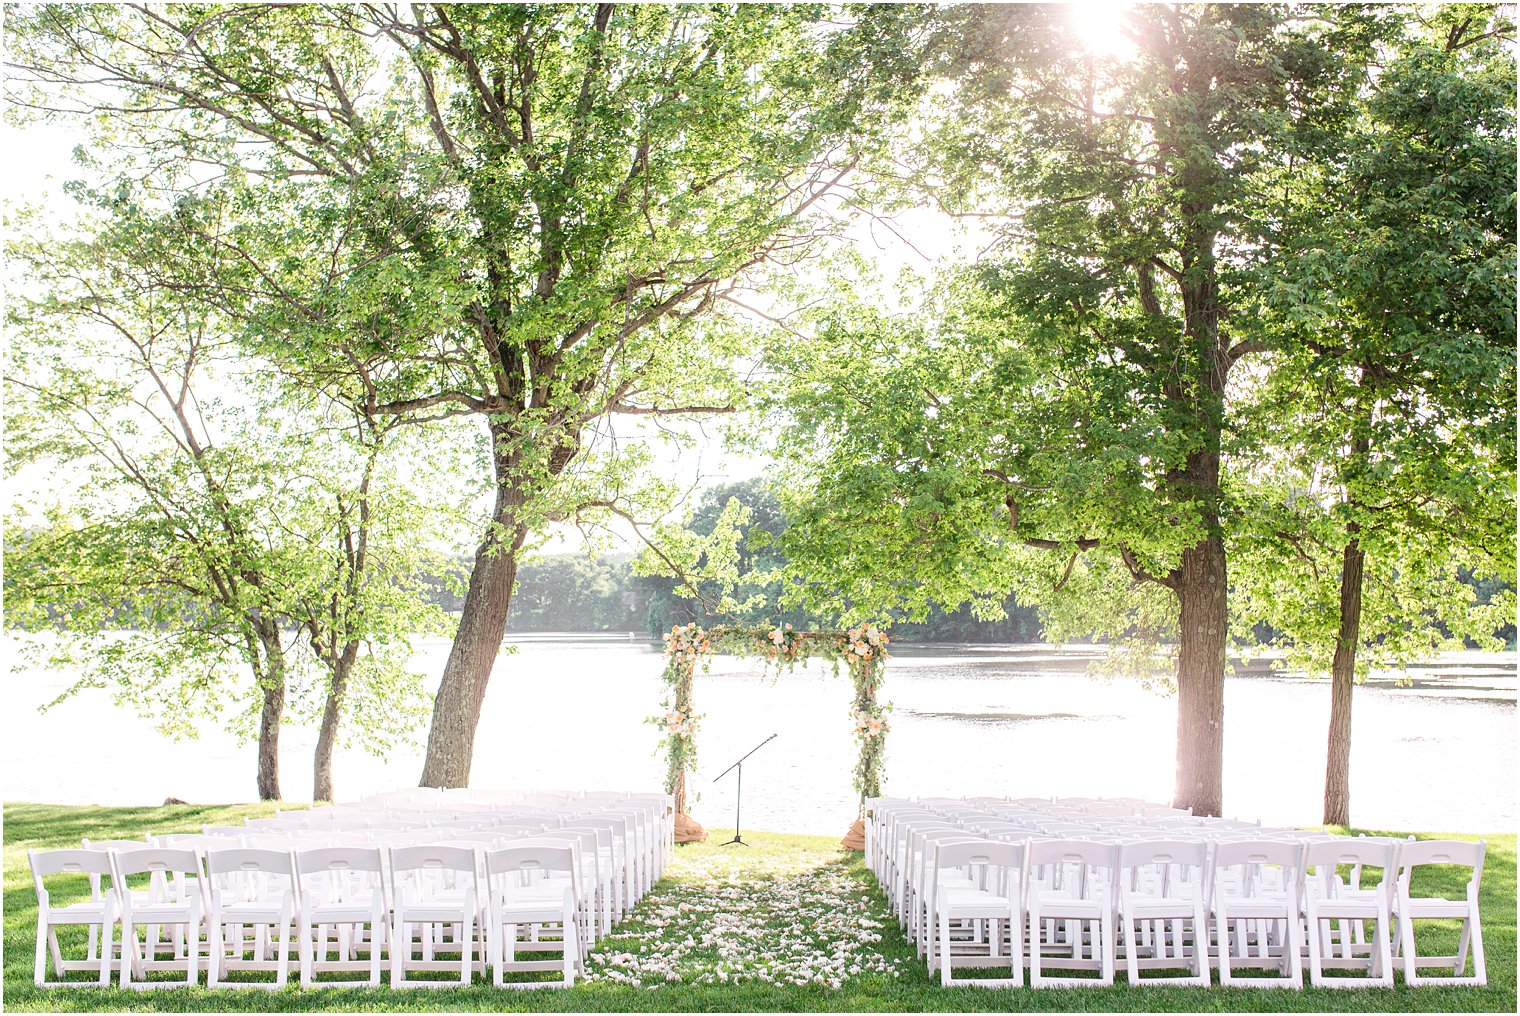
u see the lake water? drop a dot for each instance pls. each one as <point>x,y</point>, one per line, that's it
<point>1016,720</point>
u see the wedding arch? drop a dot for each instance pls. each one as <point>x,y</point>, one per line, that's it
<point>863,650</point>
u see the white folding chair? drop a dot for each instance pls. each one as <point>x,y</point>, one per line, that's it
<point>153,944</point>
<point>98,912</point>
<point>1337,912</point>
<point>525,897</point>
<point>1254,892</point>
<point>1409,908</point>
<point>922,846</point>
<point>1161,894</point>
<point>342,888</point>
<point>1071,911</point>
<point>434,888</point>
<point>255,890</point>
<point>174,899</point>
<point>985,900</point>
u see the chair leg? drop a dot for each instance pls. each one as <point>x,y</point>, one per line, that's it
<point>944,948</point>
<point>107,928</point>
<point>56,950</point>
<point>1016,945</point>
<point>304,951</point>
<point>467,951</point>
<point>1106,946</point>
<point>192,952</point>
<point>1406,942</point>
<point>378,931</point>
<point>282,969</point>
<point>1036,979</point>
<point>214,954</point>
<point>39,967</point>
<point>128,951</point>
<point>1480,966</point>
<point>1131,948</point>
<point>399,933</point>
<point>1316,947</point>
<point>1382,961</point>
<point>494,947</point>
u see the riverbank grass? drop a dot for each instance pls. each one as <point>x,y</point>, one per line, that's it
<point>792,924</point>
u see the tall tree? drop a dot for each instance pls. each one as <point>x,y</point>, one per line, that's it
<point>1388,433</point>
<point>367,539</point>
<point>210,514</point>
<point>166,531</point>
<point>1072,396</point>
<point>516,213</point>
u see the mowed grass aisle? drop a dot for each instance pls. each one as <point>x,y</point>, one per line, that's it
<point>790,924</point>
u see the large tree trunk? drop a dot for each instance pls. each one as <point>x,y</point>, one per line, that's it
<point>1342,679</point>
<point>482,623</point>
<point>272,686</point>
<point>1200,583</point>
<point>332,715</point>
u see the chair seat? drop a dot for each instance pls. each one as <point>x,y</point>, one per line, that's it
<point>341,913</point>
<point>1067,906</point>
<point>436,911</point>
<point>83,912</point>
<point>251,911</point>
<point>163,913</point>
<point>1433,907</point>
<point>1343,907</point>
<point>1158,906</point>
<point>522,912</point>
<point>960,904</point>
<point>1259,901</point>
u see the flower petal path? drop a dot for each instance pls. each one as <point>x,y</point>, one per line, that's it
<point>778,914</point>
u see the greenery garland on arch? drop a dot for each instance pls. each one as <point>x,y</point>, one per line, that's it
<point>863,649</point>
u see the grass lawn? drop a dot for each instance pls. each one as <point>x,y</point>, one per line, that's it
<point>793,924</point>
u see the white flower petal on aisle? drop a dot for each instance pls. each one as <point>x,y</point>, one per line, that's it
<point>729,918</point>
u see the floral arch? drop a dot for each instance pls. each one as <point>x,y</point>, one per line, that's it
<point>863,650</point>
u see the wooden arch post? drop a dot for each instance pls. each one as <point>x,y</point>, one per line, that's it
<point>871,732</point>
<point>682,722</point>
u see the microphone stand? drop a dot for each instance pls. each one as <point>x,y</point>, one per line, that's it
<point>739,791</point>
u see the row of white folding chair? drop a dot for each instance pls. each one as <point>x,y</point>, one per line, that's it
<point>626,831</point>
<point>636,858</point>
<point>346,889</point>
<point>1268,915</point>
<point>309,839</point>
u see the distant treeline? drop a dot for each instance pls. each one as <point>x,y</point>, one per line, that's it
<point>580,593</point>
<point>575,592</point>
<point>572,592</point>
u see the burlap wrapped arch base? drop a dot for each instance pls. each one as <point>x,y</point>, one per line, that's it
<point>855,839</point>
<point>689,830</point>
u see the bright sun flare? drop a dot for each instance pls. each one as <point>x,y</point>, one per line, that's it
<point>1100,27</point>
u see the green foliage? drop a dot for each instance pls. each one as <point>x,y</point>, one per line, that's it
<point>527,215</point>
<point>1389,417</point>
<point>1163,235</point>
<point>230,524</point>
<point>513,212</point>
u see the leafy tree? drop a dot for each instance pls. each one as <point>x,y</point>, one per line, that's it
<point>520,214</point>
<point>1068,394</point>
<point>741,522</point>
<point>209,515</point>
<point>359,598</point>
<point>1388,430</point>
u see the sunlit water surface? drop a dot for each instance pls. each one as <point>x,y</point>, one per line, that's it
<point>1016,720</point>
